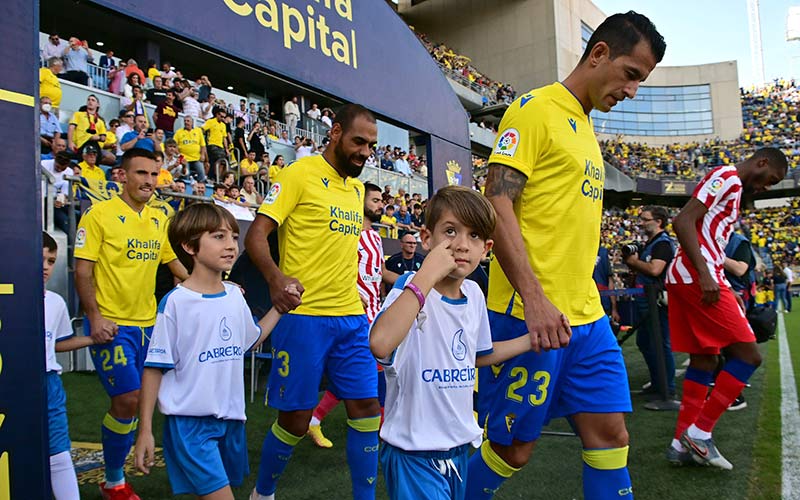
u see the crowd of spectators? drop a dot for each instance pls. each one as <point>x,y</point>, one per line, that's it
<point>769,117</point>
<point>774,232</point>
<point>395,159</point>
<point>460,66</point>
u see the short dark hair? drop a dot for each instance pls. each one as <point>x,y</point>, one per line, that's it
<point>170,142</point>
<point>220,185</point>
<point>239,120</point>
<point>370,187</point>
<point>470,208</point>
<point>188,225</point>
<point>48,242</point>
<point>349,112</point>
<point>621,32</point>
<point>135,153</point>
<point>158,155</point>
<point>775,157</point>
<point>63,158</point>
<point>659,213</point>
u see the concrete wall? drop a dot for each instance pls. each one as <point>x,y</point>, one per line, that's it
<point>512,41</point>
<point>726,106</point>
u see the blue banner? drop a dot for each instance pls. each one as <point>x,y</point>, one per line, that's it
<point>357,50</point>
<point>24,469</point>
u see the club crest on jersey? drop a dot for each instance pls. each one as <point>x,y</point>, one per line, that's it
<point>358,192</point>
<point>225,333</point>
<point>510,419</point>
<point>458,347</point>
<point>155,221</point>
<point>715,185</point>
<point>80,238</point>
<point>507,143</point>
<point>273,193</point>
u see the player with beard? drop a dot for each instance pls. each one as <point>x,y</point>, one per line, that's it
<point>317,207</point>
<point>371,272</point>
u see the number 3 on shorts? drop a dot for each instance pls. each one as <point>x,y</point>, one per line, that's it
<point>283,371</point>
<point>542,378</point>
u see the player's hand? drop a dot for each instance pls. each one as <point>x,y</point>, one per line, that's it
<point>739,301</point>
<point>144,452</point>
<point>548,327</point>
<point>103,331</point>
<point>439,262</point>
<point>286,293</point>
<point>710,289</point>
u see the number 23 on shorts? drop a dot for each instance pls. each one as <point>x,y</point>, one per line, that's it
<point>541,378</point>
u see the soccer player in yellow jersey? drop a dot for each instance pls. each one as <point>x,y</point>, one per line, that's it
<point>546,183</point>
<point>118,247</point>
<point>317,207</point>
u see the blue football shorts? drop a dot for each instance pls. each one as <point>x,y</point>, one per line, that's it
<point>305,347</point>
<point>58,431</point>
<point>523,394</point>
<point>433,475</point>
<point>204,454</point>
<point>119,363</point>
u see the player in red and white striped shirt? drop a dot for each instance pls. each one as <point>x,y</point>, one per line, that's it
<point>704,314</point>
<point>371,272</point>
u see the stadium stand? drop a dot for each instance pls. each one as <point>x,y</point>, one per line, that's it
<point>770,119</point>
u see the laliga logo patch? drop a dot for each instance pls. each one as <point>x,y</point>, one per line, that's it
<point>508,142</point>
<point>225,333</point>
<point>274,191</point>
<point>715,185</point>
<point>458,346</point>
<point>80,238</point>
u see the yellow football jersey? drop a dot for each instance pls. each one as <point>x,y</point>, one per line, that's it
<point>83,123</point>
<point>127,248</point>
<point>49,86</point>
<point>320,216</point>
<point>190,142</point>
<point>545,135</point>
<point>216,132</point>
<point>92,172</point>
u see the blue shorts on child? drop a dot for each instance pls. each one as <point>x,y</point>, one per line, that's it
<point>204,454</point>
<point>57,414</point>
<point>433,475</point>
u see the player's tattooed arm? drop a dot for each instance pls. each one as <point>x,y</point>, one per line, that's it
<point>504,181</point>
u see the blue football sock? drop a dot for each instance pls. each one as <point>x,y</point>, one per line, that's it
<point>605,474</point>
<point>362,455</point>
<point>486,473</point>
<point>275,454</point>
<point>117,437</point>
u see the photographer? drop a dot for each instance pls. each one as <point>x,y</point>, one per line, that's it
<point>649,262</point>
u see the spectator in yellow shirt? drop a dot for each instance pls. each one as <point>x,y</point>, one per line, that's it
<point>248,165</point>
<point>49,86</point>
<point>165,179</point>
<point>277,166</point>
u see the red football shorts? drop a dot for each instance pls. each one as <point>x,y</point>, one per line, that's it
<point>698,328</point>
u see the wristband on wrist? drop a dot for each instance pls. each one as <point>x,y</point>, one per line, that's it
<point>416,291</point>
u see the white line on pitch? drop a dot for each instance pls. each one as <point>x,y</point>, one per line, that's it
<point>790,415</point>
